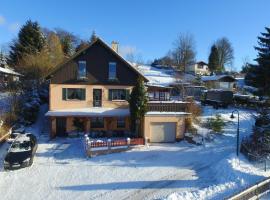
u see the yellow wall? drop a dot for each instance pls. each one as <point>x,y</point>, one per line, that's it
<point>56,102</point>
<point>179,120</point>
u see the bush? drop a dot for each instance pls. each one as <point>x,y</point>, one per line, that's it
<point>78,124</point>
<point>189,127</point>
<point>216,124</point>
<point>194,109</point>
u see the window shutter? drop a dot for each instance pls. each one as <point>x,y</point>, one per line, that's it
<point>110,95</point>
<point>64,93</point>
<point>83,94</point>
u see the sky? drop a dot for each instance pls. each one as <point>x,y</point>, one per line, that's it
<point>146,28</point>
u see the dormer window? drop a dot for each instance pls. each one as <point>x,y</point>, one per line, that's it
<point>82,70</point>
<point>112,70</point>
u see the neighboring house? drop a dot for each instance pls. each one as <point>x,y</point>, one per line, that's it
<point>93,87</point>
<point>199,68</point>
<point>225,82</point>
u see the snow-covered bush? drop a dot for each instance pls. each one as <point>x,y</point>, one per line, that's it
<point>257,146</point>
<point>216,124</point>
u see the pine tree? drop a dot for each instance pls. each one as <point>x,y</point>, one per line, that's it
<point>3,60</point>
<point>137,104</point>
<point>93,37</point>
<point>30,41</point>
<point>213,59</point>
<point>81,46</point>
<point>259,75</point>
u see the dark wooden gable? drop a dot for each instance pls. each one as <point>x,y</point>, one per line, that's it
<point>97,57</point>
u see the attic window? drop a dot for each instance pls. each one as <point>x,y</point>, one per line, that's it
<point>112,70</point>
<point>82,70</point>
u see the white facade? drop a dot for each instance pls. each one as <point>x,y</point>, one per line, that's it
<point>199,68</point>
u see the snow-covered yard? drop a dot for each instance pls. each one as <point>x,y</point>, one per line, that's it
<point>172,171</point>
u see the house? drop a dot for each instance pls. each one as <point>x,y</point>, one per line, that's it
<point>225,82</point>
<point>6,73</point>
<point>198,68</point>
<point>93,87</point>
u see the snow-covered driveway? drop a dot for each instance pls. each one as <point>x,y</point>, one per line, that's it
<point>61,170</point>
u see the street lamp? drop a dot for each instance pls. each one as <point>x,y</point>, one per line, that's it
<point>237,142</point>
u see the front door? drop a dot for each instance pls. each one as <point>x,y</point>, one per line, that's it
<point>61,127</point>
<point>97,97</point>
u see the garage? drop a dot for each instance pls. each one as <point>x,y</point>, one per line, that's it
<point>163,132</point>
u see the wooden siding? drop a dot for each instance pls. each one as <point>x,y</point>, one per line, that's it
<point>97,59</point>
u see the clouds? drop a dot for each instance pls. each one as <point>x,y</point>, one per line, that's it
<point>12,27</point>
<point>2,20</point>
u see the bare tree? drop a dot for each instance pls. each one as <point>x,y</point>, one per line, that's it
<point>184,50</point>
<point>225,52</point>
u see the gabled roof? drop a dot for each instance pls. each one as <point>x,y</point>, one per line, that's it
<point>228,78</point>
<point>97,40</point>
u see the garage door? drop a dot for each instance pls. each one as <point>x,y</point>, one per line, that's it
<point>163,132</point>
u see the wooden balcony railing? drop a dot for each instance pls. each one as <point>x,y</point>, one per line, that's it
<point>168,106</point>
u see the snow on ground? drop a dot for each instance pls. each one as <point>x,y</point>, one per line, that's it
<point>170,171</point>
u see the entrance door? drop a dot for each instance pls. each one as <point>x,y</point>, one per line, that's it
<point>61,127</point>
<point>97,97</point>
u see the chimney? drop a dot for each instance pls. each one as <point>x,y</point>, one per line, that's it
<point>115,46</point>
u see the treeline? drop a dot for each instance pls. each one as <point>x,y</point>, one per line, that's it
<point>183,54</point>
<point>36,51</point>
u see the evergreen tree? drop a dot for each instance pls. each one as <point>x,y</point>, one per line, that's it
<point>3,60</point>
<point>259,75</point>
<point>81,46</point>
<point>93,37</point>
<point>213,60</point>
<point>30,41</point>
<point>137,104</point>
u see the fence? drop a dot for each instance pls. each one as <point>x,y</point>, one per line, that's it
<point>253,192</point>
<point>110,146</point>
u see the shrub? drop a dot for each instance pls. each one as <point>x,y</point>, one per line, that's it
<point>216,124</point>
<point>189,127</point>
<point>194,109</point>
<point>78,124</point>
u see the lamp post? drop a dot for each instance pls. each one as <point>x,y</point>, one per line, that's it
<point>237,141</point>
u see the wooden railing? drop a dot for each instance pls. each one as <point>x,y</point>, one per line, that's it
<point>117,143</point>
<point>167,107</point>
<point>253,192</point>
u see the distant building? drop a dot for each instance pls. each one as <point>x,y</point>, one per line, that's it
<point>224,82</point>
<point>199,68</point>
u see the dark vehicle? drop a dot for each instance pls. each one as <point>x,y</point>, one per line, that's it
<point>217,98</point>
<point>21,152</point>
<point>249,101</point>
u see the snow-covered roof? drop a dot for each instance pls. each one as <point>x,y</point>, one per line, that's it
<point>9,71</point>
<point>167,113</point>
<point>216,77</point>
<point>162,75</point>
<point>89,112</point>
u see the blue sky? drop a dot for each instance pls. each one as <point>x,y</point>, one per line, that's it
<point>147,27</point>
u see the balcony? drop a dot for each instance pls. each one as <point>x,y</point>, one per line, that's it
<point>167,106</point>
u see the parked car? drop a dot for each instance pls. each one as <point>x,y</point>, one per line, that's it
<point>217,98</point>
<point>21,152</point>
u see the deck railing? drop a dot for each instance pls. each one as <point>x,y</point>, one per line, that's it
<point>167,106</point>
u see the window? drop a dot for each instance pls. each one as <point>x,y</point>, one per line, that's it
<point>121,123</point>
<point>118,94</point>
<point>97,122</point>
<point>73,94</point>
<point>112,70</point>
<point>82,70</point>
